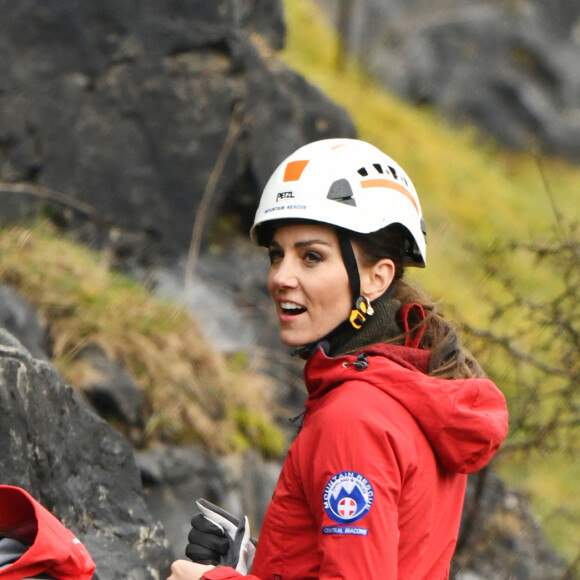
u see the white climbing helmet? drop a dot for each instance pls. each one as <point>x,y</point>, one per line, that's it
<point>346,183</point>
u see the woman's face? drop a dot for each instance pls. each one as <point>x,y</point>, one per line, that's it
<point>308,282</point>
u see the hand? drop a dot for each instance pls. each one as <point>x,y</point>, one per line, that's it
<point>184,570</point>
<point>218,537</point>
<point>208,543</point>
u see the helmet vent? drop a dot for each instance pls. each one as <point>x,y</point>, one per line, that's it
<point>400,177</point>
<point>341,191</point>
<point>362,171</point>
<point>378,167</point>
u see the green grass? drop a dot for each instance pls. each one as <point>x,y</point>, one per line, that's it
<point>473,194</point>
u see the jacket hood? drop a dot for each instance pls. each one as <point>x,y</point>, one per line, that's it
<point>465,420</point>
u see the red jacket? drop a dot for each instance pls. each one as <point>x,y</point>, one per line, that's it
<point>373,485</point>
<point>54,550</point>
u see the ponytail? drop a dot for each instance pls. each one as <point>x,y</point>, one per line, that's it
<point>449,359</point>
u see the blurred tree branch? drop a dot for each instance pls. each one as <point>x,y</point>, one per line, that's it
<point>533,348</point>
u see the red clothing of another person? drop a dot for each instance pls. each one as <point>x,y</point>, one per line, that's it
<point>53,549</point>
<point>373,486</point>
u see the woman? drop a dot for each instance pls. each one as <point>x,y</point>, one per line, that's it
<point>397,414</point>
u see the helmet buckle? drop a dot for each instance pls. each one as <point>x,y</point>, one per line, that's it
<point>360,312</point>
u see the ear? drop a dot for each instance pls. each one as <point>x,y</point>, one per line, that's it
<point>375,279</point>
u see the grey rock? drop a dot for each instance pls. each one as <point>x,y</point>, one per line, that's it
<point>109,389</point>
<point>174,477</point>
<point>125,109</point>
<point>508,68</point>
<point>19,317</point>
<point>490,548</point>
<point>77,466</point>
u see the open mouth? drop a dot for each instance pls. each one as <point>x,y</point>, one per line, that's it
<point>292,309</point>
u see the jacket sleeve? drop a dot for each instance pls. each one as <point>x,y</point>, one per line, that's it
<point>353,483</point>
<point>346,453</point>
<point>226,573</point>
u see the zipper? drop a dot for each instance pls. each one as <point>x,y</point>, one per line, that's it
<point>360,364</point>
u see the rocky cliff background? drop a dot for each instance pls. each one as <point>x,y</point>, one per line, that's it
<point>127,108</point>
<point>129,124</point>
<point>508,68</point>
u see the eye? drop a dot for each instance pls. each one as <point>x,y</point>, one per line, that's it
<point>312,257</point>
<point>275,255</point>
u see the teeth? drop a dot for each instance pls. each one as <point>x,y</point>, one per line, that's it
<point>290,306</point>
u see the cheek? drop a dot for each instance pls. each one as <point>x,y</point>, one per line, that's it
<point>335,295</point>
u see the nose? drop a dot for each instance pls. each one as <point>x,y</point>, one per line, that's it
<point>283,274</point>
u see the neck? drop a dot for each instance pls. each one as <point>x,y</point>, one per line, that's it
<point>344,339</point>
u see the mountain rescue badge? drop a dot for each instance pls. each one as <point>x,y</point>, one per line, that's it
<point>348,497</point>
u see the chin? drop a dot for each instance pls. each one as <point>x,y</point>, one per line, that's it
<point>296,340</point>
<point>293,342</point>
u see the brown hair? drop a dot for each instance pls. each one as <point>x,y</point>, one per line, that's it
<point>449,359</point>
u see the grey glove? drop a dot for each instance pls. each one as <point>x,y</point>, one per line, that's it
<point>220,538</point>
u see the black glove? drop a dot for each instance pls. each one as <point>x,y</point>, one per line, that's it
<point>220,538</point>
<point>207,541</point>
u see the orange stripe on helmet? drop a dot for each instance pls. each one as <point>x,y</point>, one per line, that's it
<point>294,170</point>
<point>390,185</point>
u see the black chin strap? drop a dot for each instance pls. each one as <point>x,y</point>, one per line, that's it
<point>361,308</point>
<point>349,260</point>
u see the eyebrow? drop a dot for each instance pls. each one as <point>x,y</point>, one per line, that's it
<point>303,243</point>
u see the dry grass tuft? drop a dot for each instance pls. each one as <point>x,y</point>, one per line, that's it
<point>191,391</point>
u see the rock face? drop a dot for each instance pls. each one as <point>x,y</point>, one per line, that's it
<point>77,466</point>
<point>500,538</point>
<point>174,477</point>
<point>509,68</point>
<point>19,318</point>
<point>128,107</point>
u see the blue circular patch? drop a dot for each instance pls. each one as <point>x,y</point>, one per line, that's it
<point>348,497</point>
